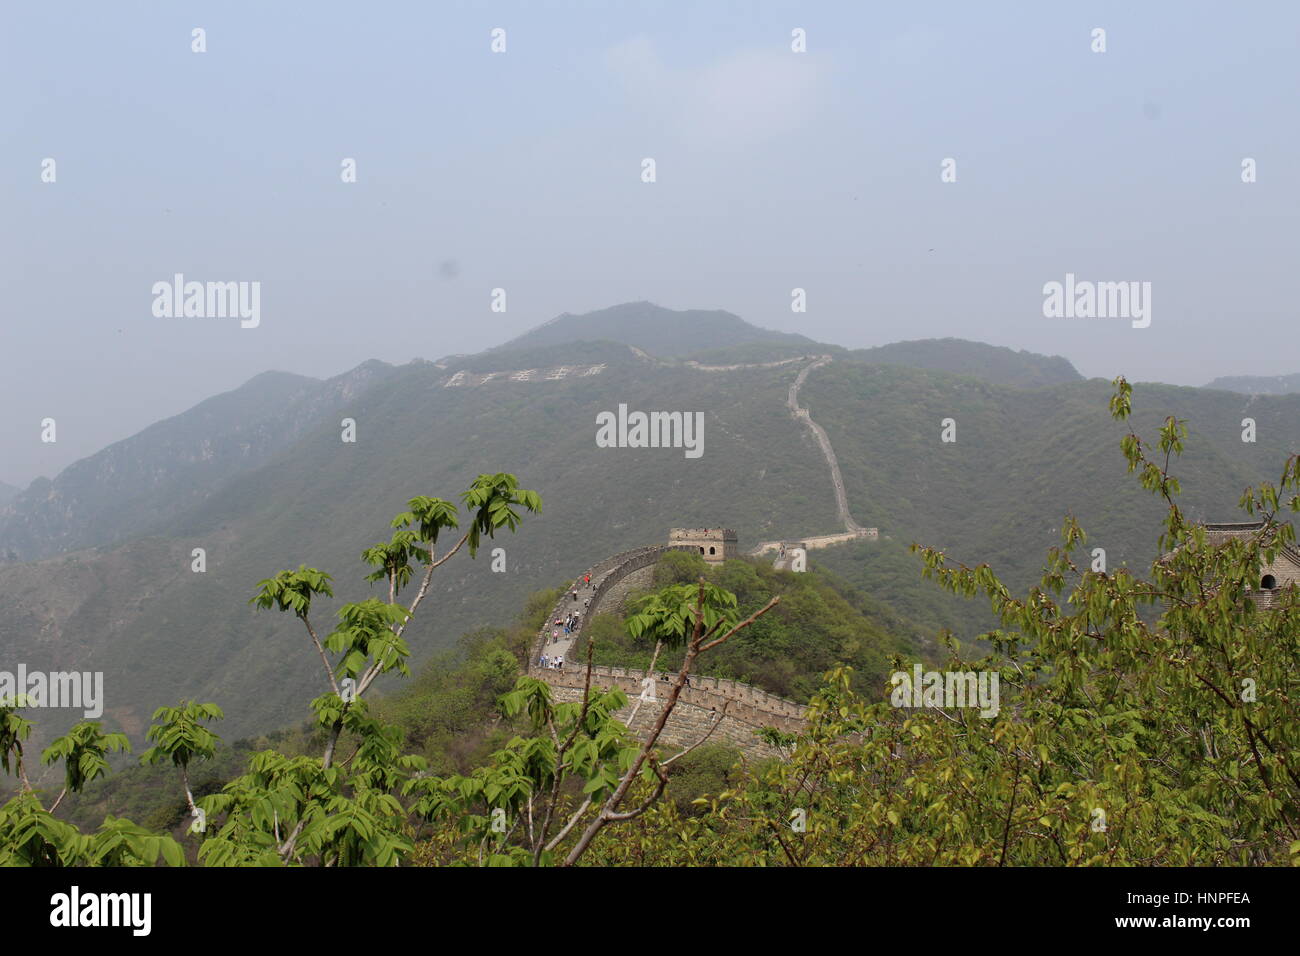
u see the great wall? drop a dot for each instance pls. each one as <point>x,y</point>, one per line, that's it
<point>852,530</point>
<point>723,711</point>
<point>712,709</point>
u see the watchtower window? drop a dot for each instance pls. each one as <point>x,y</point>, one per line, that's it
<point>713,550</point>
<point>1268,582</point>
<point>701,549</point>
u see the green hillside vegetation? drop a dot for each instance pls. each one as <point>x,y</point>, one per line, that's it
<point>1022,462</point>
<point>989,363</point>
<point>144,484</point>
<point>447,713</point>
<point>788,651</point>
<point>1258,384</point>
<point>754,353</point>
<point>882,579</point>
<point>512,358</point>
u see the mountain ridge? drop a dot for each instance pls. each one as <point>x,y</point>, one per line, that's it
<point>1258,384</point>
<point>977,359</point>
<point>131,487</point>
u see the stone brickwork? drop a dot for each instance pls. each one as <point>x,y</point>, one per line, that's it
<point>729,712</point>
<point>746,703</point>
<point>615,597</point>
<point>464,379</point>
<point>714,545</point>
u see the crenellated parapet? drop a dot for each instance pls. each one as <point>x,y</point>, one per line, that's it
<point>714,545</point>
<point>742,702</point>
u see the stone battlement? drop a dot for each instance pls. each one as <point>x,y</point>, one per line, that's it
<point>715,545</point>
<point>713,534</point>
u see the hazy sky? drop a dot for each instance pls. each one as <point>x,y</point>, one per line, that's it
<point>522,170</point>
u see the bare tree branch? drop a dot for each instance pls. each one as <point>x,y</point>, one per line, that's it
<point>717,722</point>
<point>329,671</point>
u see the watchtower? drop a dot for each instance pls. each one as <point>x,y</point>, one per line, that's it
<point>715,544</point>
<point>1274,577</point>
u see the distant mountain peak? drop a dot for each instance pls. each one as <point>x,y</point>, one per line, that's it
<point>277,377</point>
<point>1258,384</point>
<point>667,333</point>
<point>992,363</point>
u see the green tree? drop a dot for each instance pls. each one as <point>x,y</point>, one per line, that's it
<point>83,749</point>
<point>181,738</point>
<point>14,729</point>
<point>31,835</point>
<point>304,809</point>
